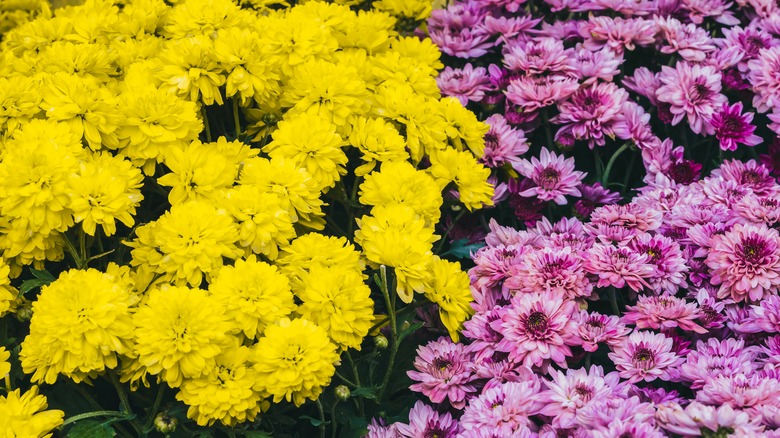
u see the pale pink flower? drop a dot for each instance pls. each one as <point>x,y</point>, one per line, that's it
<point>692,91</point>
<point>540,56</point>
<point>719,10</point>
<point>717,358</point>
<point>645,356</point>
<point>643,82</point>
<point>549,270</point>
<point>618,267</point>
<point>617,34</point>
<point>466,84</point>
<point>425,422</point>
<point>533,93</point>
<point>667,258</point>
<point>503,143</point>
<point>567,393</point>
<point>690,422</point>
<point>691,42</point>
<point>764,79</point>
<point>590,66</point>
<point>740,391</point>
<point>594,329</point>
<point>664,313</point>
<point>553,175</point>
<point>590,113</point>
<point>750,174</point>
<point>502,411</point>
<point>443,372</point>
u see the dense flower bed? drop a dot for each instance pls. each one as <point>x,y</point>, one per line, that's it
<point>182,189</point>
<point>626,284</point>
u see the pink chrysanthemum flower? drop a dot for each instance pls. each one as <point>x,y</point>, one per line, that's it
<point>378,429</point>
<point>667,258</point>
<point>442,372</point>
<point>538,328</point>
<point>698,10</point>
<point>593,196</point>
<point>457,31</point>
<point>617,34</point>
<point>628,429</point>
<point>618,266</point>
<point>733,127</point>
<point>591,66</point>
<point>724,192</point>
<point>717,358</point>
<point>554,176</point>
<point>629,216</point>
<point>602,412</point>
<point>664,313</point>
<point>750,174</point>
<point>558,272</point>
<point>770,351</point>
<point>643,82</point>
<point>710,309</point>
<point>749,41</point>
<point>527,210</point>
<point>771,160</point>
<point>507,28</point>
<point>590,113</point>
<point>425,422</point>
<point>493,264</point>
<point>764,79</point>
<point>533,93</point>
<point>764,317</point>
<point>536,57</point>
<point>466,84</point>
<point>503,143</point>
<point>697,417</point>
<point>692,91</point>
<point>594,329</point>
<point>567,393</point>
<point>739,391</point>
<point>633,123</point>
<point>502,410</point>
<point>691,42</point>
<point>645,356</point>
<point>656,396</point>
<point>745,262</point>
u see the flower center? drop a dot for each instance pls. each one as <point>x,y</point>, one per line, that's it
<point>644,358</point>
<point>491,140</point>
<point>584,392</point>
<point>699,92</point>
<point>753,250</point>
<point>548,178</point>
<point>536,323</point>
<point>441,364</point>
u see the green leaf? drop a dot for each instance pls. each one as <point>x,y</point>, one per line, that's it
<point>28,285</point>
<point>43,275</point>
<point>459,249</point>
<point>367,392</point>
<point>91,429</point>
<point>257,434</point>
<point>314,421</point>
<point>411,329</point>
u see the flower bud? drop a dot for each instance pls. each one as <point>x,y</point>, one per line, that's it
<point>342,392</point>
<point>164,423</point>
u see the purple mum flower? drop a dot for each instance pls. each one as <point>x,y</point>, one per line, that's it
<point>443,372</point>
<point>466,84</point>
<point>692,91</point>
<point>645,356</point>
<point>733,127</point>
<point>553,175</point>
<point>425,422</point>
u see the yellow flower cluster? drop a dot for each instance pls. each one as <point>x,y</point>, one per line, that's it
<point>233,293</point>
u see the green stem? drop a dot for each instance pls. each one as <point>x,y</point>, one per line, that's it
<point>628,173</point>
<point>605,177</point>
<point>448,230</point>
<point>599,165</point>
<point>83,247</point>
<point>75,418</point>
<point>393,333</point>
<point>125,402</point>
<point>335,226</point>
<point>613,300</point>
<point>547,130</point>
<point>322,418</point>
<point>206,123</point>
<point>236,119</point>
<point>72,250</point>
<point>153,413</point>
<point>333,419</point>
<point>346,380</point>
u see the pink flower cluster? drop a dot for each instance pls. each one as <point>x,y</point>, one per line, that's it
<point>660,317</point>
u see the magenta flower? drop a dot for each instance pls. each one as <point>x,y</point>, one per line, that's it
<point>664,313</point>
<point>442,372</point>
<point>748,174</point>
<point>710,310</point>
<point>503,143</point>
<point>745,262</point>
<point>502,410</point>
<point>691,42</point>
<point>538,328</point>
<point>692,91</point>
<point>378,429</point>
<point>764,79</point>
<point>667,258</point>
<point>425,422</point>
<point>618,267</point>
<point>764,317</point>
<point>590,113</point>
<point>593,196</point>
<point>537,57</point>
<point>593,66</point>
<point>466,84</point>
<point>732,127</point>
<point>717,358</point>
<point>617,34</point>
<point>533,93</point>
<point>645,356</point>
<point>457,31</point>
<point>594,329</point>
<point>567,393</point>
<point>554,176</point>
<point>602,412</point>
<point>771,160</point>
<point>558,272</point>
<point>633,429</point>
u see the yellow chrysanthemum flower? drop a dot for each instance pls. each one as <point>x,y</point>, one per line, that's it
<point>135,50</point>
<point>332,91</point>
<point>254,295</point>
<point>378,141</point>
<point>396,236</point>
<point>186,243</point>
<point>199,172</point>
<point>425,126</point>
<point>33,176</point>
<point>8,293</point>
<point>5,365</point>
<point>470,177</point>
<point>80,322</point>
<point>421,49</point>
<point>187,68</point>
<point>249,75</point>
<point>294,361</point>
<point>106,189</point>
<point>142,17</point>
<point>288,42</point>
<point>400,183</point>
<point>92,20</point>
<point>337,300</point>
<point>153,121</point>
<point>36,35</point>
<point>297,191</point>
<point>413,11</point>
<point>225,393</point>
<point>21,99</point>
<point>463,128</point>
<point>394,70</point>
<point>203,17</point>
<point>23,246</point>
<point>25,415</point>
<point>264,221</point>
<point>179,333</point>
<point>316,249</point>
<point>310,141</point>
<point>448,287</point>
<point>369,30</point>
<point>92,62</point>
